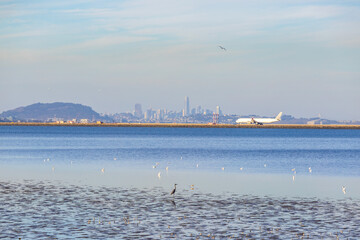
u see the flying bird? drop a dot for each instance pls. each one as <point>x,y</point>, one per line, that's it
<point>222,48</point>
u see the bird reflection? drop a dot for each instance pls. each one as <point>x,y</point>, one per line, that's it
<point>173,203</point>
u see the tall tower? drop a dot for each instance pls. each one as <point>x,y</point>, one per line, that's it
<point>218,111</point>
<point>187,106</point>
<point>138,111</point>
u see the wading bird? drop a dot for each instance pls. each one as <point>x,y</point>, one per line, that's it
<point>343,189</point>
<point>174,190</point>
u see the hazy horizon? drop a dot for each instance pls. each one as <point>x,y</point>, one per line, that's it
<point>298,57</point>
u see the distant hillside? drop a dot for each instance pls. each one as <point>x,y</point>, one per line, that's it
<point>48,111</point>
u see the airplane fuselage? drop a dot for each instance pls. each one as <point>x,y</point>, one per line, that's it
<point>259,121</point>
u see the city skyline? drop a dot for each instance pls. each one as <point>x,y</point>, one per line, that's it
<point>299,57</point>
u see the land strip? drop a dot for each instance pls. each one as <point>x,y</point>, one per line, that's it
<point>185,125</point>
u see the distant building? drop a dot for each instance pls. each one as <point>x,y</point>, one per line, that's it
<point>149,114</point>
<point>207,112</point>
<point>187,106</point>
<point>160,114</point>
<point>138,111</point>
<point>198,109</point>
<point>84,121</point>
<point>218,110</point>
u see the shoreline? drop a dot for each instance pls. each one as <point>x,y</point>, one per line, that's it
<point>185,125</point>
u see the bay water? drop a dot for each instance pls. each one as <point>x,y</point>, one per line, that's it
<point>308,168</point>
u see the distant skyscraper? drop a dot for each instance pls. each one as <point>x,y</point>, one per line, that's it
<point>138,111</point>
<point>218,111</point>
<point>187,106</point>
<point>198,109</point>
<point>148,114</point>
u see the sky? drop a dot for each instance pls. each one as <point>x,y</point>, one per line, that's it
<point>298,57</point>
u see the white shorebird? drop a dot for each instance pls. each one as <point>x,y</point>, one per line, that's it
<point>293,177</point>
<point>310,170</point>
<point>103,170</point>
<point>241,169</point>
<point>167,168</point>
<point>265,165</point>
<point>197,165</point>
<point>223,168</point>
<point>343,189</point>
<point>159,175</point>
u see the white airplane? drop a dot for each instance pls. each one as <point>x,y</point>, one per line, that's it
<point>259,121</point>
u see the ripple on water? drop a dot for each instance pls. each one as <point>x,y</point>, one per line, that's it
<point>43,210</point>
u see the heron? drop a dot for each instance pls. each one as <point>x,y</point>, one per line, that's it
<point>174,190</point>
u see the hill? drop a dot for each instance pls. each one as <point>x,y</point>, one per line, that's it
<point>52,111</point>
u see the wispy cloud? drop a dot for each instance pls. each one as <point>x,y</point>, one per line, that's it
<point>110,41</point>
<point>25,34</point>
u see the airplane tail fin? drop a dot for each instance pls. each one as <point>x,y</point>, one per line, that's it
<point>278,117</point>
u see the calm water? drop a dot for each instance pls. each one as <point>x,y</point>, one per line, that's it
<point>106,183</point>
<point>327,152</point>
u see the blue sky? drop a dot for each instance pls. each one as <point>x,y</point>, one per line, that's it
<point>299,57</point>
